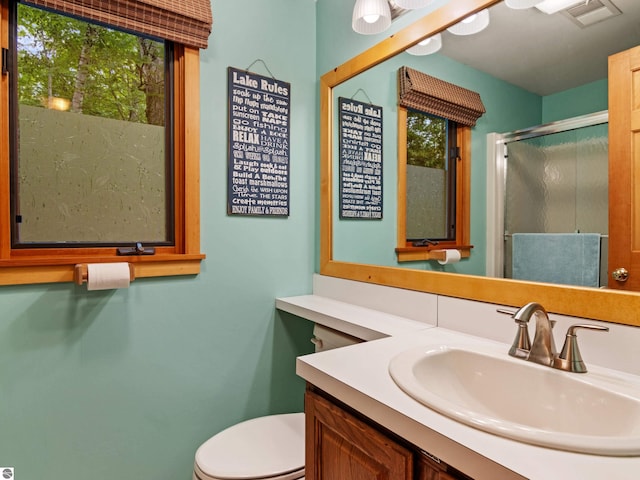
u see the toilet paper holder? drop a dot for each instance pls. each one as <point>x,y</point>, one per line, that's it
<point>437,255</point>
<point>81,273</point>
<point>446,256</point>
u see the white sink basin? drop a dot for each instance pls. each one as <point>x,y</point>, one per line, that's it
<point>485,388</point>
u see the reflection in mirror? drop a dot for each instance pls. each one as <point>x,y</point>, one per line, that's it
<point>430,176</point>
<point>556,198</point>
<point>508,108</point>
<point>530,68</point>
<point>371,69</point>
<point>459,109</point>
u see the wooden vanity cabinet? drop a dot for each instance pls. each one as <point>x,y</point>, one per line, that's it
<point>343,445</point>
<point>340,446</point>
<point>427,469</point>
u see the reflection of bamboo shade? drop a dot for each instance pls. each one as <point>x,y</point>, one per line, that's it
<point>185,21</point>
<point>428,94</point>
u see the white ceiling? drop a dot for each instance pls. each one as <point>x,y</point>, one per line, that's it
<point>544,53</point>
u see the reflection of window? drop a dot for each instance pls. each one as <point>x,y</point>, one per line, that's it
<point>434,159</point>
<point>447,196</point>
<point>108,97</point>
<point>431,177</point>
<point>91,163</point>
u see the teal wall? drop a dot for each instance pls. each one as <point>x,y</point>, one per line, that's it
<point>589,98</point>
<point>128,383</point>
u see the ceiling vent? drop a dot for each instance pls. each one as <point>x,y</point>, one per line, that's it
<point>590,12</point>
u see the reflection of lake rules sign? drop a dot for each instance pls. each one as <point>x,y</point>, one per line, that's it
<point>360,159</point>
<point>258,164</point>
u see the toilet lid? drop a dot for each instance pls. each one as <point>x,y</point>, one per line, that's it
<point>261,447</point>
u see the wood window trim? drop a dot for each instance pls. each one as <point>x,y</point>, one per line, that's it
<point>406,252</point>
<point>31,266</point>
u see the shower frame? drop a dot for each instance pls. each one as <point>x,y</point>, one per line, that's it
<point>497,177</point>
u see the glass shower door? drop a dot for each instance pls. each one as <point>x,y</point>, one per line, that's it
<point>557,184</point>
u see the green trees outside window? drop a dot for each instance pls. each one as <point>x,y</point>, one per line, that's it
<point>426,140</point>
<point>92,135</point>
<point>97,70</point>
<point>431,177</point>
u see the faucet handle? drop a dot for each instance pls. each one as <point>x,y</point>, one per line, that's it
<point>522,343</point>
<point>570,358</point>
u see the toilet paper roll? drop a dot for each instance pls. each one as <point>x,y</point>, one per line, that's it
<point>451,256</point>
<point>105,276</point>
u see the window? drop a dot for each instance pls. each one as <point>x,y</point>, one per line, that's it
<point>58,83</point>
<point>433,185</point>
<point>91,144</point>
<point>432,154</point>
<point>434,165</point>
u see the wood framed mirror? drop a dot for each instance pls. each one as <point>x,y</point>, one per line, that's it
<point>601,304</point>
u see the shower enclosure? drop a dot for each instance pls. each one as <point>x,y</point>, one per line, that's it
<point>553,223</point>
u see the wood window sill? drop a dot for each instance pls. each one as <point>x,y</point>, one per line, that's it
<point>32,270</point>
<point>434,252</point>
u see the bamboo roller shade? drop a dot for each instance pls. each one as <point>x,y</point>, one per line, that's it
<point>183,21</point>
<point>428,94</point>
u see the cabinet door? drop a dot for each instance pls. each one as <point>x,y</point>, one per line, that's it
<point>340,446</point>
<point>429,470</point>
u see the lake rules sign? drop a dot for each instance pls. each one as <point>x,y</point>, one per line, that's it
<point>360,159</point>
<point>258,161</point>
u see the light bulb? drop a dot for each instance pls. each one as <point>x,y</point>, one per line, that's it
<point>472,24</point>
<point>371,16</point>
<point>470,18</point>
<point>427,46</point>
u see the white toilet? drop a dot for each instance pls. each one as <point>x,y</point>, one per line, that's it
<point>265,448</point>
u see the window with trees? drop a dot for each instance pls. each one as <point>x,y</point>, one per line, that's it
<point>91,146</point>
<point>434,159</point>
<point>100,131</point>
<point>432,154</point>
<point>433,185</point>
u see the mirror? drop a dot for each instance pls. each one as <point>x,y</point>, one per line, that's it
<point>591,303</point>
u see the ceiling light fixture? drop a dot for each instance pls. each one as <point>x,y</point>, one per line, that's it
<point>472,24</point>
<point>521,4</point>
<point>427,46</point>
<point>554,6</point>
<point>371,16</point>
<point>412,4</point>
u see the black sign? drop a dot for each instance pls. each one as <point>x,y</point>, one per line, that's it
<point>360,159</point>
<point>258,163</point>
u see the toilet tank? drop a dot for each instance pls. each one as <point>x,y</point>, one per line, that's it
<point>325,338</point>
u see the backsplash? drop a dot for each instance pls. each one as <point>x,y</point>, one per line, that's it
<point>616,349</point>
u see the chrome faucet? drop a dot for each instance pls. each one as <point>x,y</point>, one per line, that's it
<point>543,349</point>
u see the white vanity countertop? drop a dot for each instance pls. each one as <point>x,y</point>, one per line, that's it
<point>357,321</point>
<point>358,376</point>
